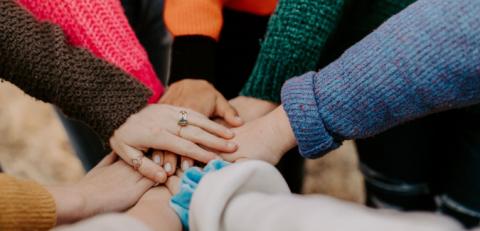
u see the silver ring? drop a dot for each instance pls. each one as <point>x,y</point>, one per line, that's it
<point>137,162</point>
<point>183,121</point>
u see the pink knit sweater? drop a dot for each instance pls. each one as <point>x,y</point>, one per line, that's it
<point>101,27</point>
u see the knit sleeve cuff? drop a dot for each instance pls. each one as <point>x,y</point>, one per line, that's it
<point>193,57</point>
<point>297,34</point>
<point>269,75</point>
<point>181,201</point>
<point>25,205</point>
<point>298,99</point>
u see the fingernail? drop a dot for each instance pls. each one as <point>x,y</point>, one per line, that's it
<point>230,132</point>
<point>168,167</point>
<point>160,177</point>
<point>157,159</point>
<point>185,165</point>
<point>231,145</point>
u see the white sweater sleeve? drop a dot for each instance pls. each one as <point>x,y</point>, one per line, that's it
<point>253,196</point>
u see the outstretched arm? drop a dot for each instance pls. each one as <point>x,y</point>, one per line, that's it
<point>36,57</point>
<point>423,60</point>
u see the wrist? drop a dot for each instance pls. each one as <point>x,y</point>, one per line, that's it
<point>155,218</point>
<point>70,204</point>
<point>281,126</point>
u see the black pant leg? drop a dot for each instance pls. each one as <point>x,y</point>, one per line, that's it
<point>460,196</point>
<point>398,166</point>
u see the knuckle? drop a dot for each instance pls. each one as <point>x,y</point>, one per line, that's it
<point>196,132</point>
<point>156,130</point>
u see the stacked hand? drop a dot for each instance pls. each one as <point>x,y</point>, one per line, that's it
<point>114,186</point>
<point>156,127</point>
<point>266,138</point>
<point>202,97</point>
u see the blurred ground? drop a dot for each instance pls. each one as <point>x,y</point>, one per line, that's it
<point>34,145</point>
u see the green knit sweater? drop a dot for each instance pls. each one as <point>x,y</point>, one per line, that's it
<point>298,35</point>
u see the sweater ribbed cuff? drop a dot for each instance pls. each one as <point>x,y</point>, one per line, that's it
<point>193,57</point>
<point>298,99</point>
<point>25,205</point>
<point>269,75</point>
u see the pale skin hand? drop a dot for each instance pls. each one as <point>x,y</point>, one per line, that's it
<point>156,127</point>
<point>199,96</point>
<point>250,108</point>
<point>153,208</point>
<point>267,138</point>
<point>112,186</point>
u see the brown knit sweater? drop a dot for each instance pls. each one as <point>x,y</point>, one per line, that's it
<point>25,205</point>
<point>35,57</point>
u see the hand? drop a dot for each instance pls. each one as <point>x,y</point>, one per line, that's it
<point>200,96</point>
<point>154,210</point>
<point>112,186</point>
<point>250,108</point>
<point>266,138</point>
<point>156,127</point>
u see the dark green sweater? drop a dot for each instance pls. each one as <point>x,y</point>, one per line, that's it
<point>301,33</point>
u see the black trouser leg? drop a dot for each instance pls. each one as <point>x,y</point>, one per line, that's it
<point>429,164</point>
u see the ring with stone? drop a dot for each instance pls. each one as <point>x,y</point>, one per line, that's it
<point>137,162</point>
<point>182,122</point>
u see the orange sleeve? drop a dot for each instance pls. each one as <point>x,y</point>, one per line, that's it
<point>258,7</point>
<point>25,205</point>
<point>194,17</point>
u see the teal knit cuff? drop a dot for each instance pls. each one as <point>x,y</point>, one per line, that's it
<point>180,202</point>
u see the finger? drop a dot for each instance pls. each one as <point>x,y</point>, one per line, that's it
<point>147,168</point>
<point>227,112</point>
<point>152,171</point>
<point>210,126</point>
<point>158,157</point>
<point>170,163</point>
<point>185,163</point>
<point>200,136</point>
<point>173,184</point>
<point>179,173</point>
<point>169,142</point>
<point>107,160</point>
<point>145,183</point>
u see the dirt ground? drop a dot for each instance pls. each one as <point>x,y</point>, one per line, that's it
<point>34,145</point>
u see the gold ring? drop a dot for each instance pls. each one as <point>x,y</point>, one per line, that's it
<point>182,122</point>
<point>137,162</point>
<point>179,131</point>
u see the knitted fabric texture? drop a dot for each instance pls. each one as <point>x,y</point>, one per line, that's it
<point>101,27</point>
<point>423,60</point>
<point>180,202</point>
<point>204,17</point>
<point>25,205</point>
<point>35,57</point>
<point>298,34</point>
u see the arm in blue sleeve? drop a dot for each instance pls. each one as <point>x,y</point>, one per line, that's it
<point>423,60</point>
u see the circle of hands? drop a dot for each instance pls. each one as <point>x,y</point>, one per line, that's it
<point>152,149</point>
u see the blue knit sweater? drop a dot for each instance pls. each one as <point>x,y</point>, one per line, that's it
<point>423,60</point>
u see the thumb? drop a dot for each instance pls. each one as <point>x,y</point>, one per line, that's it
<point>227,112</point>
